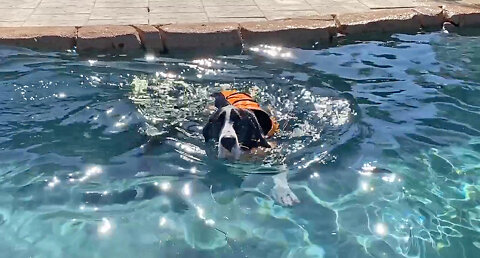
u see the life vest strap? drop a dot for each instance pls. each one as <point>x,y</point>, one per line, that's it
<point>237,93</point>
<point>240,100</point>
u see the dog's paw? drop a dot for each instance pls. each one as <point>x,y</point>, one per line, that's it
<point>284,195</point>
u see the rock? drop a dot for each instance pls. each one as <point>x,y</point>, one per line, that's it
<point>150,37</point>
<point>389,20</point>
<point>430,16</point>
<point>199,37</point>
<point>462,15</point>
<point>49,38</point>
<point>290,32</point>
<point>112,38</point>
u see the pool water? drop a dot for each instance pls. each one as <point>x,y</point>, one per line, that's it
<point>104,157</point>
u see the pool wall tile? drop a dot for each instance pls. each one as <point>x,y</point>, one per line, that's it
<point>150,38</point>
<point>290,32</point>
<point>109,38</point>
<point>462,15</point>
<point>389,20</point>
<point>201,37</point>
<point>51,38</point>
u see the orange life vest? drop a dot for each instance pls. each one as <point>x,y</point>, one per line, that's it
<point>242,100</point>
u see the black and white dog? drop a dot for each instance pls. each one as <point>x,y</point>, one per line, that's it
<point>239,127</point>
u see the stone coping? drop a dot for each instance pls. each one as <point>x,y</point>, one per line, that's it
<point>216,37</point>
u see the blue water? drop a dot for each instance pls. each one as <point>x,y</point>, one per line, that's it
<point>103,157</point>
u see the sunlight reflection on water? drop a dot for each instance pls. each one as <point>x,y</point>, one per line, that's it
<point>380,140</point>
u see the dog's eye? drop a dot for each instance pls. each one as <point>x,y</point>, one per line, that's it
<point>221,119</point>
<point>234,117</point>
<point>238,127</point>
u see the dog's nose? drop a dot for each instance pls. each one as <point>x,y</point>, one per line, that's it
<point>228,142</point>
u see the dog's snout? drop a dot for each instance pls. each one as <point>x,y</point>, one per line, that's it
<point>228,142</point>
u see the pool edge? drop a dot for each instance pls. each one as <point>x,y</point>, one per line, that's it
<point>218,37</point>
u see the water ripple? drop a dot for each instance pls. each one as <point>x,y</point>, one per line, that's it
<point>380,138</point>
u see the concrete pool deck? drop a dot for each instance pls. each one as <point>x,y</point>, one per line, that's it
<point>178,25</point>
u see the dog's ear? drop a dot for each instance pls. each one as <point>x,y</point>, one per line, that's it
<point>257,130</point>
<point>206,131</point>
<point>220,100</point>
<point>215,123</point>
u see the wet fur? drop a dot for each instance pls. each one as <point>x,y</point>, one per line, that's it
<point>242,125</point>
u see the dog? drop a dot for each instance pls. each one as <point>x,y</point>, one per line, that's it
<point>240,126</point>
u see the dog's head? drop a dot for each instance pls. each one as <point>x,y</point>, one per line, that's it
<point>234,129</point>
